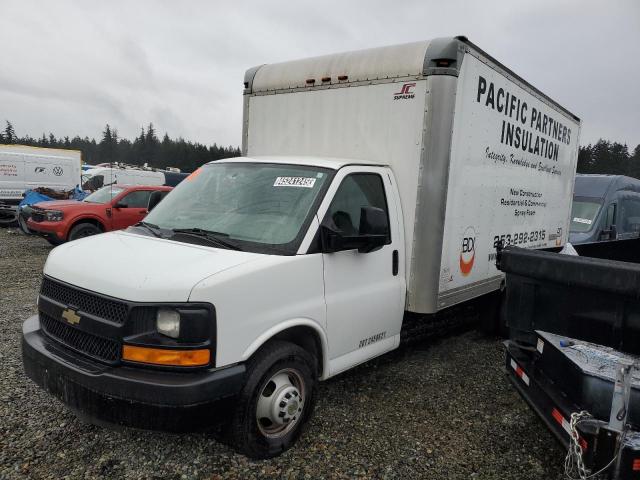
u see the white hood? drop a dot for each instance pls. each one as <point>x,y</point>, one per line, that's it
<point>139,268</point>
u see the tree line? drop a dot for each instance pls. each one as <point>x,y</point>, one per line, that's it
<point>609,157</point>
<point>602,157</point>
<point>145,148</point>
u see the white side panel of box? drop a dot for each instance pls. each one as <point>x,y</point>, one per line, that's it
<point>497,189</point>
<point>369,123</point>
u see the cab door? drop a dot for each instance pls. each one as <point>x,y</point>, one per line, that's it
<point>364,291</point>
<point>129,208</point>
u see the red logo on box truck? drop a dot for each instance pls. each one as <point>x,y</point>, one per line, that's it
<point>467,251</point>
<point>405,92</point>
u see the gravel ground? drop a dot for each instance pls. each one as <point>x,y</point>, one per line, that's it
<point>438,410</point>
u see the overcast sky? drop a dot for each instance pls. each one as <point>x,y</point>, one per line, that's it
<point>71,67</point>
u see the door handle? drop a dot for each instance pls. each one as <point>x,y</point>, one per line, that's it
<point>394,262</point>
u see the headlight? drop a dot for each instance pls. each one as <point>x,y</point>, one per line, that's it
<point>54,215</point>
<point>168,322</point>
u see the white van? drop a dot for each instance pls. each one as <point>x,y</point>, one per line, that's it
<point>102,176</point>
<point>23,167</point>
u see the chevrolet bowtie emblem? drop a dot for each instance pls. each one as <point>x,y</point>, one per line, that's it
<point>70,316</point>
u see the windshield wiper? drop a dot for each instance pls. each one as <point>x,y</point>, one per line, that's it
<point>154,229</point>
<point>213,237</point>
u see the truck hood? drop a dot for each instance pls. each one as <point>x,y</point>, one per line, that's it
<point>139,268</point>
<point>58,204</point>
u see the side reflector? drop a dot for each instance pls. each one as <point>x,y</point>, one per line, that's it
<point>557,416</point>
<point>161,356</point>
<point>342,78</point>
<point>519,372</point>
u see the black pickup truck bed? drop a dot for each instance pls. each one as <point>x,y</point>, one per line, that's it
<point>571,320</point>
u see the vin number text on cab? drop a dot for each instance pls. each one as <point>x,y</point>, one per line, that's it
<point>519,238</point>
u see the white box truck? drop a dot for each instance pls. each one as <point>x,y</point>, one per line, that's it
<point>23,167</point>
<point>373,187</point>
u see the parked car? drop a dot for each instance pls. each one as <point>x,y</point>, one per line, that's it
<point>110,208</point>
<point>605,207</point>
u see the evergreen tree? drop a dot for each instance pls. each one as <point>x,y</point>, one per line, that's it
<point>107,146</point>
<point>9,134</point>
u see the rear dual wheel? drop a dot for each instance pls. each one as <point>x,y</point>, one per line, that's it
<point>276,400</point>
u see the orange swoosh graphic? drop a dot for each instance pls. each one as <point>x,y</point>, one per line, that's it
<point>465,267</point>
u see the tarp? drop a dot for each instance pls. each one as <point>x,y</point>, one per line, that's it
<point>32,197</point>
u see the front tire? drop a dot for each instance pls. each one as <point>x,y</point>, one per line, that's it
<point>83,230</point>
<point>275,402</point>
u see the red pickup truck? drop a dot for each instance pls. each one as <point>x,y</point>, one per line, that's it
<point>110,208</point>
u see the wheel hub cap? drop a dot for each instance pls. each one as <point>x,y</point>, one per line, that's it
<point>280,404</point>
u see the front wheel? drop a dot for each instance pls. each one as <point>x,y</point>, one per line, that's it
<point>277,399</point>
<point>83,230</point>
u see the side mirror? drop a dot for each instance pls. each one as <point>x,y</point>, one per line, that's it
<point>373,233</point>
<point>154,199</point>
<point>373,221</point>
<point>121,205</point>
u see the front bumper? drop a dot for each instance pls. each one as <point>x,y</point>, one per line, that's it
<point>51,230</point>
<point>128,396</point>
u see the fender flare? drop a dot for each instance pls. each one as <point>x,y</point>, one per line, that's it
<point>84,217</point>
<point>267,335</point>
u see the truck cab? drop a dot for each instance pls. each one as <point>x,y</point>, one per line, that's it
<point>308,255</point>
<point>605,208</point>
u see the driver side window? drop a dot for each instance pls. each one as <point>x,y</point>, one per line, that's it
<point>137,199</point>
<point>356,191</point>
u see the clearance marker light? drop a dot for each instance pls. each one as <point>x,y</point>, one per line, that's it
<point>161,356</point>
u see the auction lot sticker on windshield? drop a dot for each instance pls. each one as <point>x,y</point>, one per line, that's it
<point>582,220</point>
<point>303,182</point>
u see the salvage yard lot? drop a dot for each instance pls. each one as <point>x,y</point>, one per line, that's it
<point>438,410</point>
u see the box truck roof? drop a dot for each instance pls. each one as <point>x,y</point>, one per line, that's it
<point>439,56</point>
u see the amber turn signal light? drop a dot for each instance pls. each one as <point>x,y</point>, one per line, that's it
<point>161,356</point>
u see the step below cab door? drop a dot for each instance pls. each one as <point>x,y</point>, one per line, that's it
<point>362,247</point>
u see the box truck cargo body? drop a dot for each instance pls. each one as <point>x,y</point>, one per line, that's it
<point>480,155</point>
<point>373,188</point>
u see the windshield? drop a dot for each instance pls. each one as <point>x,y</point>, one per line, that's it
<point>103,195</point>
<point>260,207</point>
<point>583,214</point>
